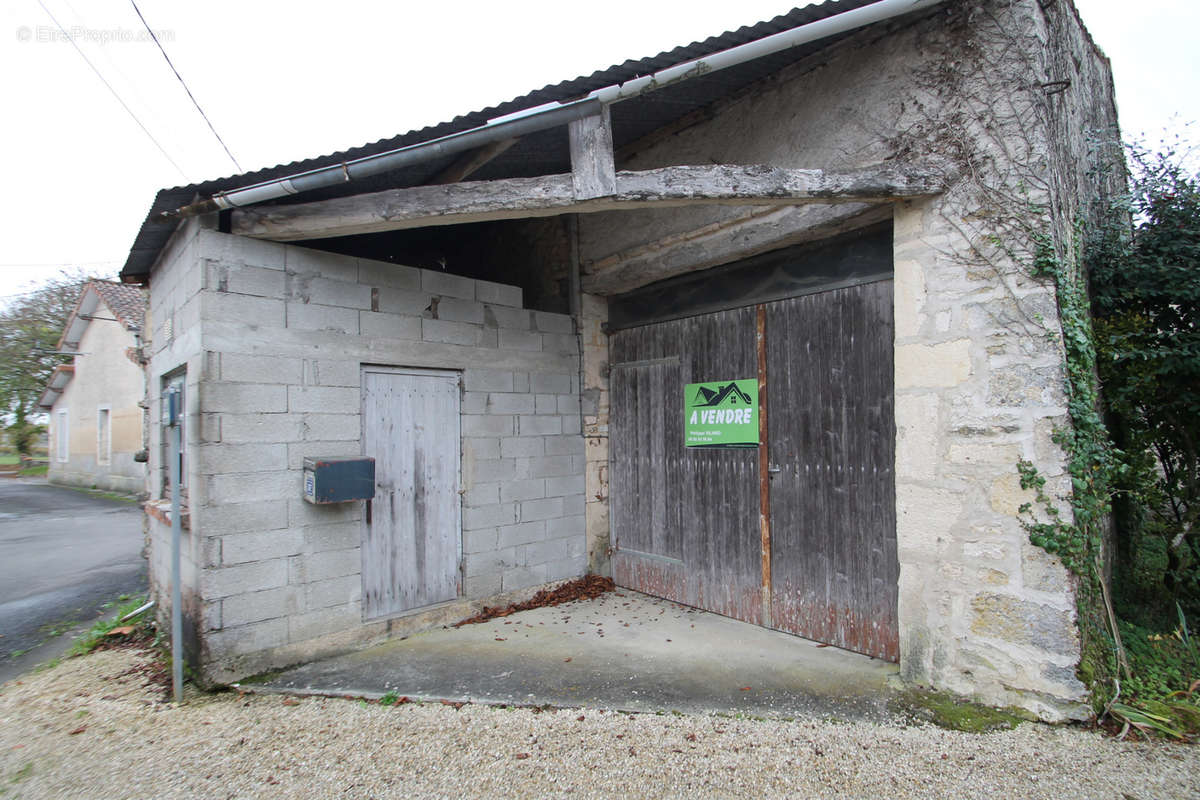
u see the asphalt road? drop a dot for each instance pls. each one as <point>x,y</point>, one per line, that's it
<point>63,554</point>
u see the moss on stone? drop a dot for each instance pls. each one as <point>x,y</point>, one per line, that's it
<point>955,713</point>
<point>262,677</point>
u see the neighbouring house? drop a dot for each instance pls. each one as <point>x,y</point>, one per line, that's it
<point>94,404</point>
<point>750,324</point>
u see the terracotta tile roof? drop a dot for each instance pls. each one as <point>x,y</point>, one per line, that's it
<point>126,302</point>
<point>54,387</point>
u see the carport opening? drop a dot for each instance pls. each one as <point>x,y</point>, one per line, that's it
<point>533,254</point>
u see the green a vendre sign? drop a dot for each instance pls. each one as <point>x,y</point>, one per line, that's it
<point>721,414</point>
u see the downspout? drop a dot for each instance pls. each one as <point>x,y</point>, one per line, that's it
<point>551,115</point>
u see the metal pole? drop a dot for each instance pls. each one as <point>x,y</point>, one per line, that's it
<point>176,535</point>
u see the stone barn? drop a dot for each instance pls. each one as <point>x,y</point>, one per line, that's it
<point>749,324</point>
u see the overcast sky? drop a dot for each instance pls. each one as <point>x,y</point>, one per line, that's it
<point>282,81</point>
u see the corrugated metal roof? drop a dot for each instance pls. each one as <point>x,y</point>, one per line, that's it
<point>543,153</point>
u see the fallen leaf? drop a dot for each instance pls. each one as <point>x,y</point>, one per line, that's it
<point>566,660</point>
<point>588,587</point>
<point>500,639</point>
<point>291,701</point>
<point>80,729</point>
<point>745,688</point>
<point>123,630</point>
<point>579,718</point>
<point>522,755</point>
<point>822,645</point>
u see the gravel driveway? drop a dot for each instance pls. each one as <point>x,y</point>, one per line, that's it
<point>91,728</point>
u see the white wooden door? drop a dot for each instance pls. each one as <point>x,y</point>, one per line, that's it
<point>412,542</point>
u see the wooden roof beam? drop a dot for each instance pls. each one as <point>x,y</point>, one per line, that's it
<point>516,198</point>
<point>468,163</point>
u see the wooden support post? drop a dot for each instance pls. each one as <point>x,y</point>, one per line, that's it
<point>764,462</point>
<point>593,170</point>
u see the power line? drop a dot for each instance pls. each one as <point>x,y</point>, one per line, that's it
<point>128,110</point>
<point>185,86</point>
<point>66,262</point>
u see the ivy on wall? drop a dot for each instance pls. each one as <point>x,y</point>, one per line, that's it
<point>1094,469</point>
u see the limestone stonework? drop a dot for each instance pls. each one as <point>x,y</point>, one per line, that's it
<point>978,370</point>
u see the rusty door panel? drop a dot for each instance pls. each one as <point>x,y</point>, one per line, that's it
<point>832,439</point>
<point>411,542</point>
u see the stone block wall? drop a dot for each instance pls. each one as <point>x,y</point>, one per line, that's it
<point>283,333</point>
<point>594,401</point>
<point>982,611</point>
<point>978,355</point>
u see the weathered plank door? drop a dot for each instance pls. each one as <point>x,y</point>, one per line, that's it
<point>831,446</point>
<point>686,522</point>
<point>683,517</point>
<point>411,542</point>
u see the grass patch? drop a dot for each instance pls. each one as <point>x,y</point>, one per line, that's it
<point>954,713</point>
<point>1163,694</point>
<point>104,494</point>
<point>7,459</point>
<point>98,633</point>
<point>38,471</point>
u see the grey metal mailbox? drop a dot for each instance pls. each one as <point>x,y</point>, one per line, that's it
<point>339,480</point>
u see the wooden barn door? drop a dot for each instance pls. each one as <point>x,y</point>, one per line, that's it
<point>411,542</point>
<point>682,517</point>
<point>834,568</point>
<point>686,521</point>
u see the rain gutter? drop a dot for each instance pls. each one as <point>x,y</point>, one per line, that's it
<point>551,115</point>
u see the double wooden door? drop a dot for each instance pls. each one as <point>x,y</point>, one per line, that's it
<point>800,538</point>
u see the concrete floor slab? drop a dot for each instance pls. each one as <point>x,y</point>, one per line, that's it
<point>623,651</point>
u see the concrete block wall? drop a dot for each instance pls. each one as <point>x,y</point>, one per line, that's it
<point>284,331</point>
<point>173,344</point>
